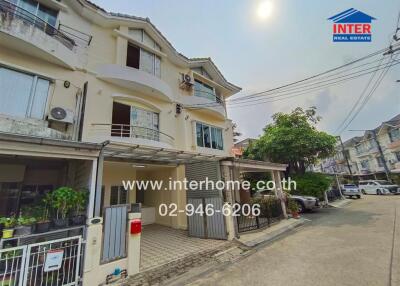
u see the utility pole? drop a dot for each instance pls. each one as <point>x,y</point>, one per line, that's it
<point>378,145</point>
<point>345,156</point>
<point>382,155</point>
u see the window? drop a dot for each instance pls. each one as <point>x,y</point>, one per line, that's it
<point>379,161</point>
<point>118,195</point>
<point>142,59</point>
<point>365,164</point>
<point>397,154</point>
<point>204,90</point>
<point>394,134</point>
<point>39,10</point>
<point>209,137</point>
<point>22,95</point>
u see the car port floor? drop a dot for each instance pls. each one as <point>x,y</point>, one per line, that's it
<point>358,244</point>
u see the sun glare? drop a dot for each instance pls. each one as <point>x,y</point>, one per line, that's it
<point>264,9</point>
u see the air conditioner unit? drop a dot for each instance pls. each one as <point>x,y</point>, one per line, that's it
<point>187,81</point>
<point>61,114</point>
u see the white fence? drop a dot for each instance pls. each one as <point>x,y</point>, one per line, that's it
<point>50,263</point>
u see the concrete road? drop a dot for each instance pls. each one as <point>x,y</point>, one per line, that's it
<point>354,245</point>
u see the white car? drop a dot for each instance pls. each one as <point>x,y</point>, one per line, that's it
<point>378,187</point>
<point>351,190</point>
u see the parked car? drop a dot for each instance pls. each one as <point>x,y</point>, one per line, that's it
<point>305,203</point>
<point>351,190</point>
<point>378,187</point>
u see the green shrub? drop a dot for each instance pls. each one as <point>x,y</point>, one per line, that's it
<point>312,184</point>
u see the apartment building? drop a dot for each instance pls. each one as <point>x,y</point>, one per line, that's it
<point>363,155</point>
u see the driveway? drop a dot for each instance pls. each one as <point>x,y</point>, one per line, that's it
<point>346,246</point>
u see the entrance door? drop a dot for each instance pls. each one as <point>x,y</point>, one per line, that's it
<point>202,225</point>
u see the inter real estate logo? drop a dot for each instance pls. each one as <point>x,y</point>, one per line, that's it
<point>352,26</point>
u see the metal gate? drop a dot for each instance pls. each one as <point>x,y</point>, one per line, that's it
<point>114,236</point>
<point>202,225</point>
<point>52,263</point>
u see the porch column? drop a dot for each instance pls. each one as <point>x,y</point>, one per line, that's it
<point>227,175</point>
<point>92,190</point>
<point>133,246</point>
<point>279,191</point>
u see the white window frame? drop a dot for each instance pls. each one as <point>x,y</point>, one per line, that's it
<point>211,136</point>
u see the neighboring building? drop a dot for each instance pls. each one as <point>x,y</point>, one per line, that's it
<point>91,98</point>
<point>363,153</point>
<point>242,145</point>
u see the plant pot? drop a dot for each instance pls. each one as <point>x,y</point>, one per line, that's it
<point>23,230</point>
<point>8,233</point>
<point>295,215</point>
<point>60,222</point>
<point>78,220</point>
<point>42,226</point>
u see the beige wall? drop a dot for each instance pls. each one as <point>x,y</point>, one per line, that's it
<point>107,47</point>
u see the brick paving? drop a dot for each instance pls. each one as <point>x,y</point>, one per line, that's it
<point>161,245</point>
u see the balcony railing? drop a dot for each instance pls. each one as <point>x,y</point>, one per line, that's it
<point>134,131</point>
<point>11,12</point>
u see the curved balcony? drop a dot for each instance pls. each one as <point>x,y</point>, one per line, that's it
<point>133,134</point>
<point>214,107</point>
<point>135,80</point>
<point>24,32</point>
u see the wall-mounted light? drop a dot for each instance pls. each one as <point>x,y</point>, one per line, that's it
<point>67,84</point>
<point>138,166</point>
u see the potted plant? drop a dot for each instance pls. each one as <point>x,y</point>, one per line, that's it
<point>24,225</point>
<point>9,224</point>
<point>293,208</point>
<point>43,221</point>
<point>80,200</point>
<point>62,200</point>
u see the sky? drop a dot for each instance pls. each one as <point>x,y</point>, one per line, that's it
<point>292,43</point>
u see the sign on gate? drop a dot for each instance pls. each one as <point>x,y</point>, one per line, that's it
<point>54,260</point>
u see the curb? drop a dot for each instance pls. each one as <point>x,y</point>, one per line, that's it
<point>340,204</point>
<point>273,235</point>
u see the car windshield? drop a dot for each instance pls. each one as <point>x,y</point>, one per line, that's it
<point>384,183</point>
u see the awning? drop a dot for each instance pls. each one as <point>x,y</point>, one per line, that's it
<point>146,154</point>
<point>246,165</point>
<point>24,145</point>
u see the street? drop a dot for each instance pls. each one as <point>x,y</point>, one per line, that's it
<point>347,246</point>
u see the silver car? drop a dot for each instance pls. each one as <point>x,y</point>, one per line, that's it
<point>305,203</point>
<point>351,190</point>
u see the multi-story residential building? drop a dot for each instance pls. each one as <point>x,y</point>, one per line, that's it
<point>91,98</point>
<point>364,155</point>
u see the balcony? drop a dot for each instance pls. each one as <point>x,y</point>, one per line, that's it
<point>132,134</point>
<point>135,80</point>
<point>214,107</point>
<point>24,32</point>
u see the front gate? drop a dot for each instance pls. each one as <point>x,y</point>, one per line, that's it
<point>202,225</point>
<point>52,263</point>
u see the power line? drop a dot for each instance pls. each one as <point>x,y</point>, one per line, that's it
<point>282,96</point>
<point>303,81</point>
<point>370,94</point>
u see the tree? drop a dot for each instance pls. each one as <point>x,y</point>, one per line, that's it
<point>293,139</point>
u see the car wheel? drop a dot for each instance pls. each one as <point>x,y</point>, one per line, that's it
<point>301,208</point>
<point>363,192</point>
<point>378,192</point>
<point>358,197</point>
